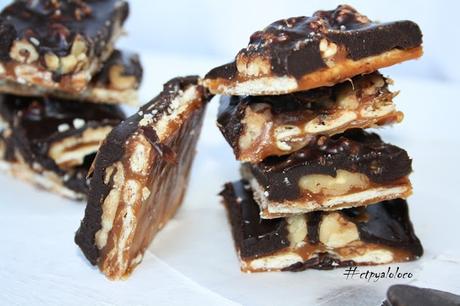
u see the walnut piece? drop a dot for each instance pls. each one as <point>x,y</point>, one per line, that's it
<point>120,81</point>
<point>23,52</point>
<point>335,231</point>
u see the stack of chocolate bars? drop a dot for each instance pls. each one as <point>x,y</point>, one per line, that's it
<point>318,191</point>
<point>61,84</point>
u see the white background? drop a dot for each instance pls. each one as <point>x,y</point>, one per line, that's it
<point>220,28</point>
<point>192,261</point>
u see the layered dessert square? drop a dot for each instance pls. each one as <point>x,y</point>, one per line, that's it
<point>52,142</point>
<point>300,53</point>
<point>260,126</point>
<point>380,233</point>
<point>58,45</point>
<point>140,176</point>
<point>351,169</point>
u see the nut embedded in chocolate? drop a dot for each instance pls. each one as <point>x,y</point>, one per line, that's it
<point>345,170</point>
<point>301,53</point>
<point>116,83</point>
<point>376,234</point>
<point>260,126</point>
<point>140,177</point>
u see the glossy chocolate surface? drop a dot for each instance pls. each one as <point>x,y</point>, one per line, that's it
<point>354,150</point>
<point>405,295</point>
<point>292,45</point>
<point>253,236</point>
<point>113,149</point>
<point>386,223</point>
<point>37,122</point>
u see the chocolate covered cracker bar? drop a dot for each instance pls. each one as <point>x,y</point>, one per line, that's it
<point>116,83</point>
<point>405,295</point>
<point>58,45</point>
<point>260,126</point>
<point>351,169</point>
<point>301,53</point>
<point>376,234</point>
<point>140,177</point>
<point>51,142</point>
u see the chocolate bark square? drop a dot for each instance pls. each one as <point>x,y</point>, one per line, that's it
<point>58,45</point>
<point>257,127</point>
<point>140,176</point>
<point>301,53</point>
<point>351,169</point>
<point>376,234</point>
<point>52,142</point>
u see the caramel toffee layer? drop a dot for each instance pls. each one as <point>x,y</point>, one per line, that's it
<point>260,126</point>
<point>140,177</point>
<point>300,53</point>
<point>116,83</point>
<point>58,43</point>
<point>375,234</point>
<point>55,137</point>
<point>349,169</point>
<point>400,295</point>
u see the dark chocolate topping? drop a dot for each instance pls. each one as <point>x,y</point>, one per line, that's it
<point>253,236</point>
<point>113,149</point>
<point>405,295</point>
<point>35,123</point>
<point>130,63</point>
<point>40,117</point>
<point>227,71</point>
<point>313,220</point>
<point>354,150</point>
<point>229,119</point>
<point>386,223</point>
<point>292,45</point>
<point>55,24</point>
<point>8,34</point>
